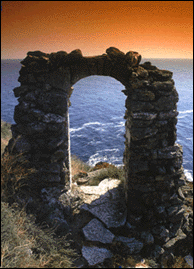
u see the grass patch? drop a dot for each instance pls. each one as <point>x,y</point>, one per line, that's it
<point>5,134</point>
<point>14,174</point>
<point>78,165</point>
<point>26,245</point>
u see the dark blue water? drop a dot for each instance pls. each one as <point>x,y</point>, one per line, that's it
<point>97,125</point>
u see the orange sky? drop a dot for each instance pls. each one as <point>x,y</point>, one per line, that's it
<point>155,29</point>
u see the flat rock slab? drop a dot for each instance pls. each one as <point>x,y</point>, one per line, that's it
<point>95,231</point>
<point>110,208</point>
<point>95,255</point>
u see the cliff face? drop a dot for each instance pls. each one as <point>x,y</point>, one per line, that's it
<point>153,161</point>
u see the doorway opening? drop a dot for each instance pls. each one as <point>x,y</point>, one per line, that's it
<point>96,122</point>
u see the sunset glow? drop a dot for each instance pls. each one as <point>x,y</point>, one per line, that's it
<point>155,29</point>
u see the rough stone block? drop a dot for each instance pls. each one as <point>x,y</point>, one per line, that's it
<point>95,231</point>
<point>95,255</point>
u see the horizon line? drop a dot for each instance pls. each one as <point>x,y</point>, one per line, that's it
<point>91,56</point>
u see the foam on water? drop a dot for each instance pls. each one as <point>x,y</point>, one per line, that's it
<point>106,155</point>
<point>188,174</point>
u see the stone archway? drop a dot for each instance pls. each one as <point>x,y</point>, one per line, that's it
<point>152,159</point>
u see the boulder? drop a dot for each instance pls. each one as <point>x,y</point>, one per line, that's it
<point>95,255</point>
<point>95,231</point>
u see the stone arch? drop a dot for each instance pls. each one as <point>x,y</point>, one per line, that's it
<point>152,159</point>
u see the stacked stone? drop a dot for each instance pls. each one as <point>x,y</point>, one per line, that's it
<point>41,129</point>
<point>153,161</point>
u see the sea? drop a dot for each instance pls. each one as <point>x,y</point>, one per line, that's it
<point>97,124</point>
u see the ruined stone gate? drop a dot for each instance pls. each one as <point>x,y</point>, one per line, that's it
<point>152,159</point>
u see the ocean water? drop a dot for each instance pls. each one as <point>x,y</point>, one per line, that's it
<point>97,126</point>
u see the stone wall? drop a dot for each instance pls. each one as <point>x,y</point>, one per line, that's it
<point>152,159</point>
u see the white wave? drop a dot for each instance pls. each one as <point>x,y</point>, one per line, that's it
<point>100,129</point>
<point>73,130</point>
<point>120,124</point>
<point>76,135</point>
<point>186,111</point>
<point>92,123</point>
<point>188,175</point>
<point>105,155</point>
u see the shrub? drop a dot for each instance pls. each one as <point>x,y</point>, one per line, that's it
<point>78,165</point>
<point>109,172</point>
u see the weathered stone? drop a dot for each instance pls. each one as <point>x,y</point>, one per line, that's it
<point>60,78</point>
<point>161,212</point>
<point>133,58</point>
<point>33,128</point>
<point>22,145</point>
<point>161,75</point>
<point>170,244</point>
<point>95,255</point>
<point>143,95</point>
<point>148,66</point>
<point>115,54</point>
<point>82,70</point>
<point>141,72</point>
<point>138,106</point>
<point>50,168</point>
<point>161,234</point>
<point>189,260</point>
<point>132,244</point>
<point>166,103</point>
<point>139,166</point>
<point>20,90</point>
<point>107,67</point>
<point>175,213</point>
<point>37,53</point>
<point>144,116</point>
<point>58,59</point>
<point>53,118</point>
<point>53,102</point>
<point>109,209</point>
<point>167,115</point>
<point>147,237</point>
<point>157,252</point>
<point>163,85</point>
<point>74,55</point>
<point>142,133</point>
<point>95,231</point>
<point>170,152</point>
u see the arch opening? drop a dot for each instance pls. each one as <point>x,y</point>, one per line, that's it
<point>97,120</point>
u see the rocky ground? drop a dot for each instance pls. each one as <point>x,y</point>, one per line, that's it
<point>94,217</point>
<point>105,238</point>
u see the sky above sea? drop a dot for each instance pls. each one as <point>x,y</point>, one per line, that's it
<point>155,29</point>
